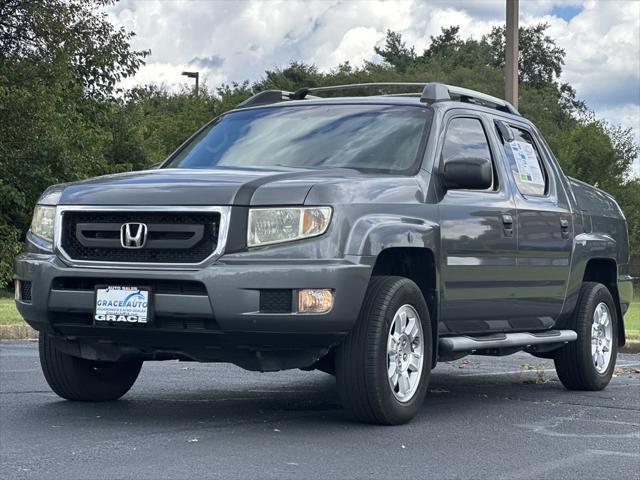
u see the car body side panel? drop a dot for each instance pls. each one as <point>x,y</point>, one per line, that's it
<point>603,236</point>
<point>544,250</point>
<point>478,258</point>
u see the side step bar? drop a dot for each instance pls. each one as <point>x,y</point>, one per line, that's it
<point>505,341</point>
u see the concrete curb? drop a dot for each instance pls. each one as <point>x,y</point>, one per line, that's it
<point>632,346</point>
<point>20,331</point>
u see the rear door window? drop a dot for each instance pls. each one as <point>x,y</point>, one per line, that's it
<point>525,163</point>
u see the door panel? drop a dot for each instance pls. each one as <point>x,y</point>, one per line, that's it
<point>479,261</point>
<point>545,240</point>
<point>478,239</point>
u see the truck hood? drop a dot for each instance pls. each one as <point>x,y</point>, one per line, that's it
<point>216,186</point>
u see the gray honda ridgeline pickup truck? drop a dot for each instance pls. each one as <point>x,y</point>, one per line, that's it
<point>369,237</point>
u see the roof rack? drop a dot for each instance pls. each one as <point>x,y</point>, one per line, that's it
<point>432,92</point>
<point>266,97</point>
<point>472,96</point>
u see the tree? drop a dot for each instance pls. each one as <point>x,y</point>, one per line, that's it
<point>151,123</point>
<point>447,42</point>
<point>396,53</point>
<point>73,33</point>
<point>540,60</point>
<point>60,61</point>
<point>294,76</point>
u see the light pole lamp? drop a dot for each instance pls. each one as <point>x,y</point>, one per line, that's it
<point>195,75</point>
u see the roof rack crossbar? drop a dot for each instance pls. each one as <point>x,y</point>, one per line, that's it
<point>431,93</point>
<point>302,92</point>
<point>366,85</point>
<point>408,94</point>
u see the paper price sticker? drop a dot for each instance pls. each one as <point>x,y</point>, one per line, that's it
<point>529,170</point>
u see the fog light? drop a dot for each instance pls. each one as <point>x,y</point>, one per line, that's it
<point>315,300</point>
<point>17,287</point>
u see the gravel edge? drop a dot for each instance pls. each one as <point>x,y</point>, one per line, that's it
<point>17,332</point>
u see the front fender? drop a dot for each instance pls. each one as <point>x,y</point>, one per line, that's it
<point>374,233</point>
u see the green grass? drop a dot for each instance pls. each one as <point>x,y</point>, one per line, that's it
<point>632,320</point>
<point>8,313</point>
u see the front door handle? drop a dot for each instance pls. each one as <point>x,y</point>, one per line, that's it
<point>507,222</point>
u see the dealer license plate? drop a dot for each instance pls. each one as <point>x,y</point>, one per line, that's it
<point>122,305</point>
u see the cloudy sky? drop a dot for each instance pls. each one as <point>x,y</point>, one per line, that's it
<point>238,40</point>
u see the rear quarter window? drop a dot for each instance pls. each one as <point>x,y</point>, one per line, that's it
<point>525,163</point>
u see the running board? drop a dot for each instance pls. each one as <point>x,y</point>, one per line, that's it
<point>505,341</point>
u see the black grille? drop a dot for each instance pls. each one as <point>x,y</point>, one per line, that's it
<point>171,287</point>
<point>173,237</point>
<point>276,301</point>
<point>25,291</point>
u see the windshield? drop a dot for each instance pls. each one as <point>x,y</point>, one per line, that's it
<point>377,138</point>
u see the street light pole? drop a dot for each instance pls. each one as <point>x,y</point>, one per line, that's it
<point>511,53</point>
<point>195,75</point>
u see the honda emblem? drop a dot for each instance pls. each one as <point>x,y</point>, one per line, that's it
<point>133,235</point>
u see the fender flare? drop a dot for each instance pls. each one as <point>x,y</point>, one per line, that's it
<point>372,234</point>
<point>587,247</point>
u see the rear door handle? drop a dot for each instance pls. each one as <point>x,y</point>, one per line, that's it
<point>507,222</point>
<point>564,228</point>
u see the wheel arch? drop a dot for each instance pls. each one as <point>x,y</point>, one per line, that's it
<point>604,270</point>
<point>594,259</point>
<point>419,265</point>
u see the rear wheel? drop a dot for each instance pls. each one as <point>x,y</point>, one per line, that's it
<point>75,378</point>
<point>383,366</point>
<point>588,363</point>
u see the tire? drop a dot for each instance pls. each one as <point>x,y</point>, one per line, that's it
<point>575,363</point>
<point>81,380</point>
<point>362,361</point>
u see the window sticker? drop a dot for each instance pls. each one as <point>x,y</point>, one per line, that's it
<point>529,170</point>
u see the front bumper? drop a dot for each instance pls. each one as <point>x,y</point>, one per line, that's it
<point>228,308</point>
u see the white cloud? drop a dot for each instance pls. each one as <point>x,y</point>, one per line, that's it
<point>355,46</point>
<point>243,38</point>
<point>603,52</point>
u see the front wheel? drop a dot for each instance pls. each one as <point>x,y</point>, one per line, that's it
<point>384,364</point>
<point>78,379</point>
<point>588,363</point>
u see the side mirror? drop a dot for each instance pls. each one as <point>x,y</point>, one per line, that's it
<point>469,173</point>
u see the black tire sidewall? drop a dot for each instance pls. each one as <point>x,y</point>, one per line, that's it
<point>78,379</point>
<point>593,297</point>
<point>406,293</point>
<point>574,362</point>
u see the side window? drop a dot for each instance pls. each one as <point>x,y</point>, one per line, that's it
<point>466,137</point>
<point>525,163</point>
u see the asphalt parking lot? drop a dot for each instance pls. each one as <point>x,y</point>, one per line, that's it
<point>483,418</point>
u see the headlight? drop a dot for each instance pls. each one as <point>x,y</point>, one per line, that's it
<point>275,225</point>
<point>43,221</point>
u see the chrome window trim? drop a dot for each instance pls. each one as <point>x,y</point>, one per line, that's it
<point>223,230</point>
